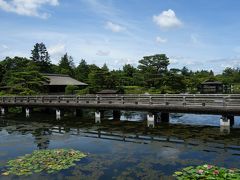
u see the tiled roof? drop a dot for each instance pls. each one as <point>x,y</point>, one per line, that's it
<point>62,79</point>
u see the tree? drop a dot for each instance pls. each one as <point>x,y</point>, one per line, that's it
<point>173,82</point>
<point>153,68</point>
<point>16,64</point>
<point>24,83</point>
<point>105,68</point>
<point>41,57</point>
<point>66,65</point>
<point>129,70</point>
<point>82,71</point>
<point>158,63</point>
<point>185,71</point>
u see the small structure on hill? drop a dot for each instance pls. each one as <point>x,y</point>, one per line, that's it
<point>214,87</point>
<point>58,82</point>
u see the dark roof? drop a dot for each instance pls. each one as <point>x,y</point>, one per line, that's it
<point>62,79</point>
<point>211,83</point>
<point>108,91</point>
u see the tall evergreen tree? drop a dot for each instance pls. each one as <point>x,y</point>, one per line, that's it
<point>66,65</point>
<point>105,68</point>
<point>82,71</point>
<point>41,57</point>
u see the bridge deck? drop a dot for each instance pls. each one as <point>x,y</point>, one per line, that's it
<point>185,103</point>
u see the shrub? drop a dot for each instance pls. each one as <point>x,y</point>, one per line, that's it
<point>71,89</point>
<point>83,91</point>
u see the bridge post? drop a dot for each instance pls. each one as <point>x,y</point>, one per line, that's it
<point>3,110</point>
<point>98,115</point>
<point>227,120</point>
<point>27,110</point>
<point>116,115</point>
<point>225,129</point>
<point>58,114</point>
<point>150,120</point>
<point>164,117</point>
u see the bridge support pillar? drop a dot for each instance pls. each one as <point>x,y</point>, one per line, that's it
<point>58,114</point>
<point>225,129</point>
<point>116,115</point>
<point>28,110</point>
<point>4,110</point>
<point>98,115</point>
<point>164,117</point>
<point>150,120</point>
<point>227,120</point>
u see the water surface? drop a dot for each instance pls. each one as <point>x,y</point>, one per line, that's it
<point>124,149</point>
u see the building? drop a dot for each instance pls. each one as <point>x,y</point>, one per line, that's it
<point>212,87</point>
<point>58,82</point>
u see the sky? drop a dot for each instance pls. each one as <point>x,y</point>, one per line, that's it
<point>203,34</point>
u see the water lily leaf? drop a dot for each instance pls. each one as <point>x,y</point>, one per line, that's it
<point>44,160</point>
<point>178,173</point>
<point>5,173</point>
<point>207,172</point>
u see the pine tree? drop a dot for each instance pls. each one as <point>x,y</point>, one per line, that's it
<point>41,57</point>
<point>66,65</point>
<point>82,71</point>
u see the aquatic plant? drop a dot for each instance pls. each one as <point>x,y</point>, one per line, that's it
<point>49,161</point>
<point>207,172</point>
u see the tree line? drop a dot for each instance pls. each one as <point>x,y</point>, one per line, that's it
<point>21,75</point>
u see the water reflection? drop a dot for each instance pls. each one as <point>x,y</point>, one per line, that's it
<point>120,149</point>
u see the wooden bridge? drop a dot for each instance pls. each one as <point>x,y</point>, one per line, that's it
<point>227,105</point>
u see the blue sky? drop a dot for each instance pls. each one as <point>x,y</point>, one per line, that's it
<point>199,34</point>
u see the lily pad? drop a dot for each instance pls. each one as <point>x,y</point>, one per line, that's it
<point>207,172</point>
<point>49,161</point>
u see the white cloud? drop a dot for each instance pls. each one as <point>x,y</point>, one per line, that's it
<point>167,19</point>
<point>27,7</point>
<point>56,52</point>
<point>102,53</point>
<point>114,27</point>
<point>161,40</point>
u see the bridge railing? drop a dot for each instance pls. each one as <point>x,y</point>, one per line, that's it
<point>158,99</point>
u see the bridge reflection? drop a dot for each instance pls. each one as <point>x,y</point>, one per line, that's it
<point>207,139</point>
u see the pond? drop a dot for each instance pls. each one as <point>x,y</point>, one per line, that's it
<point>124,149</point>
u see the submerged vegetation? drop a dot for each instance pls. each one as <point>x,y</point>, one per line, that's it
<point>49,161</point>
<point>207,172</point>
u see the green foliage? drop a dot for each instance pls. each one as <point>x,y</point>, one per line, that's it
<point>151,75</point>
<point>207,172</point>
<point>71,89</point>
<point>41,57</point>
<point>134,90</point>
<point>105,68</point>
<point>24,83</point>
<point>83,91</point>
<point>15,109</point>
<point>153,68</point>
<point>82,71</point>
<point>158,63</point>
<point>66,65</point>
<point>49,161</point>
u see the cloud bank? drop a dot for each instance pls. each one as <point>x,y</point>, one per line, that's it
<point>27,7</point>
